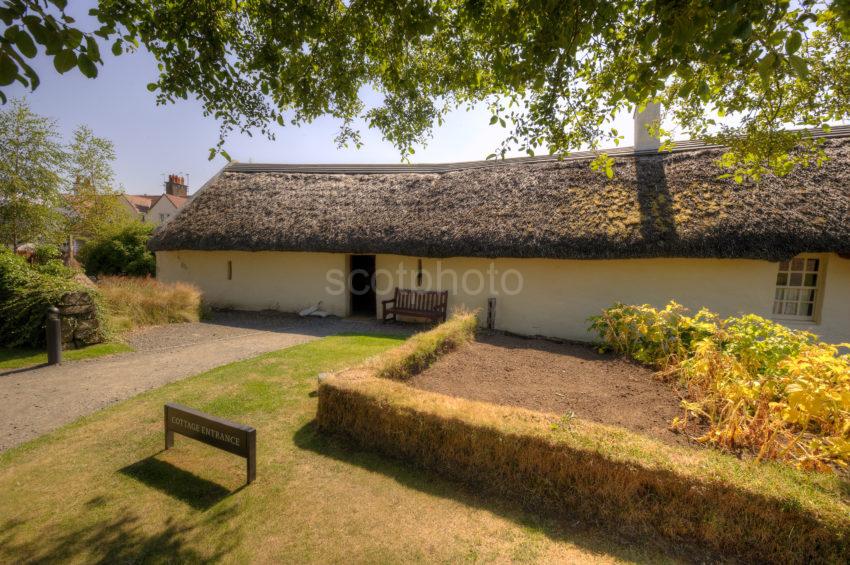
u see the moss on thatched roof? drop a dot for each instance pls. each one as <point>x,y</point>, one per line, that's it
<point>657,205</point>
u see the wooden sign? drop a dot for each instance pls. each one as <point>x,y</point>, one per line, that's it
<point>226,435</point>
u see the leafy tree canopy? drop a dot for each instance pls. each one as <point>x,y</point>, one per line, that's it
<point>94,204</point>
<point>554,73</point>
<point>32,160</point>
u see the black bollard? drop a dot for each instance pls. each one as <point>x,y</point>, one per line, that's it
<point>54,336</point>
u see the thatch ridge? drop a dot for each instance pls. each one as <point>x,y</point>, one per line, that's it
<point>657,205</point>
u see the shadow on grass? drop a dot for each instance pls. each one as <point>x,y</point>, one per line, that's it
<point>118,540</point>
<point>575,531</point>
<point>184,486</point>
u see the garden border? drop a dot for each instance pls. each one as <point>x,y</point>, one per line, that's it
<point>574,468</point>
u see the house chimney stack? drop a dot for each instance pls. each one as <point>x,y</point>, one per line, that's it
<point>176,186</point>
<point>650,115</point>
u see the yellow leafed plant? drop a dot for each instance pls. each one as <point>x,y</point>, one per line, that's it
<point>776,392</point>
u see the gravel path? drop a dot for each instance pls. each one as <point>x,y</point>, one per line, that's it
<point>38,400</point>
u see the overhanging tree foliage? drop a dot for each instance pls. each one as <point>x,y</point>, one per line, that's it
<point>554,73</point>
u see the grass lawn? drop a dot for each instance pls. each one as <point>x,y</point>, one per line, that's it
<point>102,489</point>
<point>17,358</point>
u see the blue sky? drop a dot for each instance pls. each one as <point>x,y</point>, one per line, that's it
<point>153,141</point>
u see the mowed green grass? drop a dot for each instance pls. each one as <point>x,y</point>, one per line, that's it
<point>103,490</point>
<point>18,358</point>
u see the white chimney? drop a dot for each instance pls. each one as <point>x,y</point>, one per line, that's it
<point>650,115</point>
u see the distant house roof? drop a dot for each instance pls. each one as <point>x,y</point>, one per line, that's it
<point>177,201</point>
<point>142,202</point>
<point>657,205</point>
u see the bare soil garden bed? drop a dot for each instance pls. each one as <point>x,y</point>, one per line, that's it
<point>561,378</point>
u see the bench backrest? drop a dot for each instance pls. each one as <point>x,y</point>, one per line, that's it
<point>421,300</point>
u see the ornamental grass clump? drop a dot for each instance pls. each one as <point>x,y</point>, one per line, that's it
<point>143,301</point>
<point>761,387</point>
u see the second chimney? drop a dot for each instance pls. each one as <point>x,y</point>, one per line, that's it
<point>650,116</point>
<point>176,186</point>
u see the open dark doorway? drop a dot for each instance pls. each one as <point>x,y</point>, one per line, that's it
<point>362,276</point>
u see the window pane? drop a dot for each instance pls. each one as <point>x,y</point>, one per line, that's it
<point>810,308</point>
<point>780,294</point>
<point>777,307</point>
<point>811,279</point>
<point>812,264</point>
<point>791,308</point>
<point>796,279</point>
<point>809,295</point>
<point>797,264</point>
<point>792,294</point>
<point>783,266</point>
<point>782,279</point>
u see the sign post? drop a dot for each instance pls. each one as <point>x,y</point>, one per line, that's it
<point>225,435</point>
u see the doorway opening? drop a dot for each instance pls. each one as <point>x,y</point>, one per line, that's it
<point>361,286</point>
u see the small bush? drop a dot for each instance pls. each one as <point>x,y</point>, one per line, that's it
<point>45,253</point>
<point>420,351</point>
<point>762,387</point>
<point>134,302</point>
<point>25,294</point>
<point>659,338</point>
<point>123,253</point>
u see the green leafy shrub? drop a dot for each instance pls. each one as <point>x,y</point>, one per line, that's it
<point>776,392</point>
<point>659,338</point>
<point>123,253</point>
<point>47,259</point>
<point>25,295</point>
<point>45,253</point>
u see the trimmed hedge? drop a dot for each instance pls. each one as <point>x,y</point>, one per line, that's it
<point>25,295</point>
<point>421,350</point>
<point>604,475</point>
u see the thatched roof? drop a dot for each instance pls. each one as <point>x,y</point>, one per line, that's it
<point>657,205</point>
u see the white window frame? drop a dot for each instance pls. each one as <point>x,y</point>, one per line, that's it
<point>818,289</point>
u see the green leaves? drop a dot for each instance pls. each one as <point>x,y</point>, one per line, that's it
<point>87,67</point>
<point>24,43</point>
<point>8,70</point>
<point>603,163</point>
<point>550,75</point>
<point>65,60</point>
<point>793,43</point>
<point>31,23</point>
<point>799,65</point>
<point>765,66</point>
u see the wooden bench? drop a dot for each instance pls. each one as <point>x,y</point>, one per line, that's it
<point>430,304</point>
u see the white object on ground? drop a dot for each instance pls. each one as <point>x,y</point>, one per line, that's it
<point>314,311</point>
